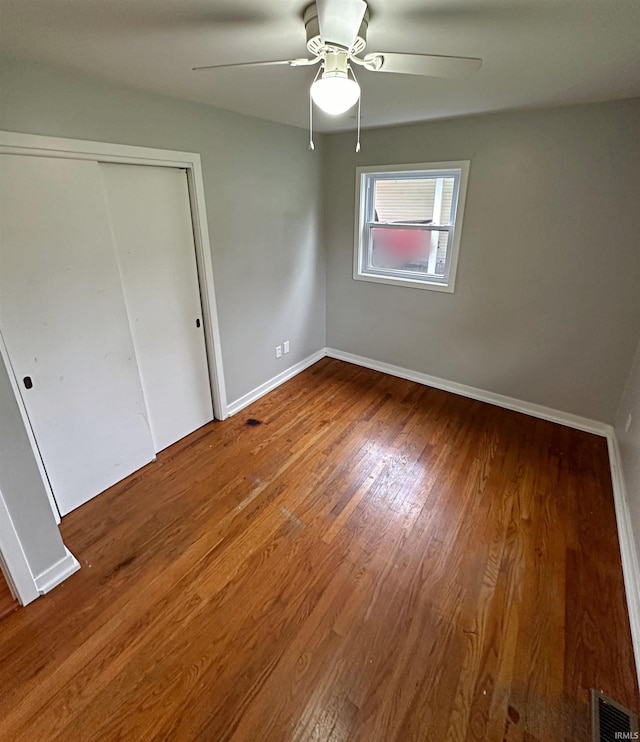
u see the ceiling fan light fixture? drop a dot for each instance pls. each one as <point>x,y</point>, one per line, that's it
<point>335,93</point>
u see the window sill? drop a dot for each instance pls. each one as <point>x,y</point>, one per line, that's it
<point>418,283</point>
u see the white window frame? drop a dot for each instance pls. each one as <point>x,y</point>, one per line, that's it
<point>364,200</point>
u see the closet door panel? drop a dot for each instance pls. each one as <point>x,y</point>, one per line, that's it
<point>64,321</point>
<point>153,233</point>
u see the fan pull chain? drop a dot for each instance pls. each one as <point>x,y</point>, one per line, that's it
<point>359,107</point>
<point>311,144</point>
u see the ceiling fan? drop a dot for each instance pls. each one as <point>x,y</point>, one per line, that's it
<point>336,38</point>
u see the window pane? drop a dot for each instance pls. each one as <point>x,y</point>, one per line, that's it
<point>413,200</point>
<point>409,250</point>
<point>447,199</point>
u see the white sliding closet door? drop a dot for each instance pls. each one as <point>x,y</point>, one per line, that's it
<point>64,321</point>
<point>153,233</point>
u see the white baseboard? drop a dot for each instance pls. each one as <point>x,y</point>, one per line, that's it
<point>628,551</point>
<point>57,572</point>
<point>274,382</point>
<point>509,403</point>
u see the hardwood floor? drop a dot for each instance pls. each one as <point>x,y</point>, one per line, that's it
<point>7,602</point>
<point>375,560</point>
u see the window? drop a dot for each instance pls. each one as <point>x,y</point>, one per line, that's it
<point>408,224</point>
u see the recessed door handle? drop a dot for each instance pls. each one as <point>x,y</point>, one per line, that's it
<point>27,382</point>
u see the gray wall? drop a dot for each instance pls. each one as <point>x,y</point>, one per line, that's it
<point>546,302</point>
<point>263,190</point>
<point>22,488</point>
<point>630,445</point>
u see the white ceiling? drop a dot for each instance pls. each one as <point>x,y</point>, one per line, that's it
<point>535,52</point>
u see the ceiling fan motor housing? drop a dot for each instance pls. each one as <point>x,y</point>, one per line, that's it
<point>336,64</point>
<point>314,42</point>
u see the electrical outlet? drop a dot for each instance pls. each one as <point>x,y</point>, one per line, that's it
<point>627,425</point>
<point>278,351</point>
<point>286,346</point>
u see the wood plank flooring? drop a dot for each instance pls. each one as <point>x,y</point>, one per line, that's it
<point>375,560</point>
<point>7,602</point>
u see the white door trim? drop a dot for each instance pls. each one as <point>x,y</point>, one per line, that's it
<point>4,356</point>
<point>44,146</point>
<point>13,560</point>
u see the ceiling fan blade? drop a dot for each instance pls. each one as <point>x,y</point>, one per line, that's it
<point>429,65</point>
<point>291,62</point>
<point>340,21</point>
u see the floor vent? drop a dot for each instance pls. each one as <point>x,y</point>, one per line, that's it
<point>610,721</point>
